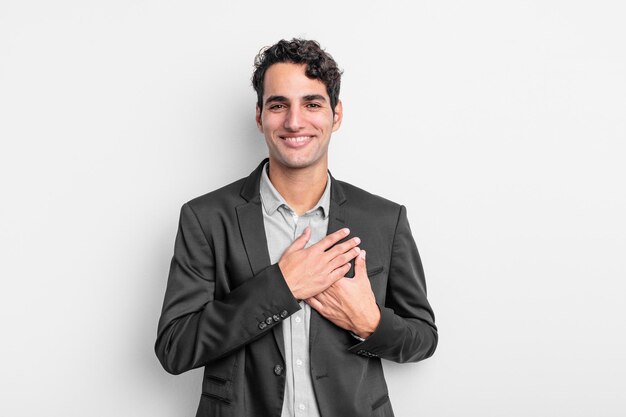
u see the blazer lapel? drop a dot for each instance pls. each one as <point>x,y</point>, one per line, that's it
<point>250,217</point>
<point>253,234</point>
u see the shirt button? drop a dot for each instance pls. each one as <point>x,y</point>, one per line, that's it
<point>299,362</point>
<point>298,319</point>
<point>301,407</point>
<point>278,370</point>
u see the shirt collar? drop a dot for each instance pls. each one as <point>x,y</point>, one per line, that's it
<point>272,200</point>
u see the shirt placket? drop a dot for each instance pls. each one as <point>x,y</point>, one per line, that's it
<point>299,328</point>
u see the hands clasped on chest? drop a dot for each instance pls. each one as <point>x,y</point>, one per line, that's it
<point>317,275</point>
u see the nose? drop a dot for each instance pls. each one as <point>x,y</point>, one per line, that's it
<point>294,119</point>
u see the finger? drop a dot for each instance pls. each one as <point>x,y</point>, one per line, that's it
<point>360,267</point>
<point>300,241</point>
<point>329,240</point>
<point>344,258</point>
<point>343,247</point>
<point>339,273</point>
<point>314,303</point>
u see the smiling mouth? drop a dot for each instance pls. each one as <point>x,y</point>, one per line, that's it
<point>296,139</point>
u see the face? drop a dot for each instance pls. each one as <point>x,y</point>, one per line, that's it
<point>297,119</point>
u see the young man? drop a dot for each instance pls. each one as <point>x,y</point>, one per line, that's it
<point>288,286</point>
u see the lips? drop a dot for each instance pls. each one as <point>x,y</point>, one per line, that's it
<point>296,141</point>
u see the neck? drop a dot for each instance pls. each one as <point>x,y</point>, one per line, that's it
<point>301,188</point>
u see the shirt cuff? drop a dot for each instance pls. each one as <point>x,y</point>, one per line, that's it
<point>359,338</point>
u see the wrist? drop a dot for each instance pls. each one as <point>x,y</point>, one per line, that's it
<point>365,330</point>
<point>285,274</point>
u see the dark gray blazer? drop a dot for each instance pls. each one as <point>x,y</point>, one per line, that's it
<point>224,305</point>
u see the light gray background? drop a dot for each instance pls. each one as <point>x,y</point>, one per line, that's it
<point>500,125</point>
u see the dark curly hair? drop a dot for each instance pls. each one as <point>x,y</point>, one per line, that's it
<point>319,65</point>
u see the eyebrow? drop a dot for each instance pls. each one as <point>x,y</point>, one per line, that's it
<point>313,97</point>
<point>283,99</point>
<point>273,99</point>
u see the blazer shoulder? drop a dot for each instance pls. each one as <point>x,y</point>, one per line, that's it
<point>374,201</point>
<point>367,204</point>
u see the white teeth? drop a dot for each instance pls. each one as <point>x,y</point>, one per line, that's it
<point>298,139</point>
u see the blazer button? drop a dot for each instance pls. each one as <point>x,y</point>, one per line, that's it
<point>268,320</point>
<point>262,325</point>
<point>276,318</point>
<point>284,313</point>
<point>278,370</point>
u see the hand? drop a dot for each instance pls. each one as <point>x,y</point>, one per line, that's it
<point>350,303</point>
<point>310,271</point>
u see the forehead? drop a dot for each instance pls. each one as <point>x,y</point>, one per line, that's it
<point>289,80</point>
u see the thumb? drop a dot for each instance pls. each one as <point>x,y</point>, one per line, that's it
<point>300,241</point>
<point>360,267</point>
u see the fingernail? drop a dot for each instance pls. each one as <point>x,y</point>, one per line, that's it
<point>362,254</point>
<point>346,230</point>
<point>357,240</point>
<point>358,250</point>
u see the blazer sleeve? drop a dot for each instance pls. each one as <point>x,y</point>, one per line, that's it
<point>195,328</point>
<point>407,331</point>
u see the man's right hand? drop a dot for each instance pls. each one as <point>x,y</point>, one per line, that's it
<point>310,271</point>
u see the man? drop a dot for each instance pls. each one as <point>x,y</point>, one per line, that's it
<point>288,286</point>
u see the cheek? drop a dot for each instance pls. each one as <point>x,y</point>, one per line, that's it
<point>322,122</point>
<point>271,122</point>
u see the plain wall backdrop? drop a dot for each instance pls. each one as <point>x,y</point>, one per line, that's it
<point>500,125</point>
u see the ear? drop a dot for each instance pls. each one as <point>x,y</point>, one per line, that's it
<point>259,123</point>
<point>338,116</point>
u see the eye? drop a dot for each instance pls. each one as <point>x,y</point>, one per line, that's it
<point>314,106</point>
<point>276,106</point>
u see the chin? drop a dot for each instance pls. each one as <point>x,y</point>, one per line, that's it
<point>297,163</point>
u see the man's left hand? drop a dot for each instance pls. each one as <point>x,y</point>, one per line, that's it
<point>350,303</point>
